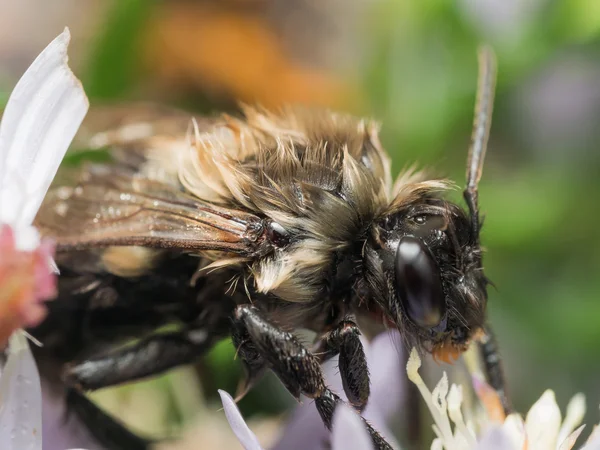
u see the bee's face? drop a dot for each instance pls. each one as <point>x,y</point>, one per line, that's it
<point>434,282</point>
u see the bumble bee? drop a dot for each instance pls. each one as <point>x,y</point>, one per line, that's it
<point>252,227</point>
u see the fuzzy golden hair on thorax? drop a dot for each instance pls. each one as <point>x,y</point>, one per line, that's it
<point>323,176</point>
<point>320,175</point>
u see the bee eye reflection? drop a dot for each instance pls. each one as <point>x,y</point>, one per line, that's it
<point>418,283</point>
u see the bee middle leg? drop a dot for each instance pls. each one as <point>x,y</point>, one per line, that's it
<point>151,356</point>
<point>262,345</point>
<point>345,341</point>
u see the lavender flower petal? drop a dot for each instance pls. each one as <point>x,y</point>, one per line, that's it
<point>237,423</point>
<point>304,429</point>
<point>387,376</point>
<point>60,429</point>
<point>495,439</point>
<point>20,392</point>
<point>348,431</point>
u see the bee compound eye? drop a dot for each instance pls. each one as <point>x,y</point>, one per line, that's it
<point>418,283</point>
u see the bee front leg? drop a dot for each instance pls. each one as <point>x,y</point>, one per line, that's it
<point>297,368</point>
<point>345,340</point>
<point>492,366</point>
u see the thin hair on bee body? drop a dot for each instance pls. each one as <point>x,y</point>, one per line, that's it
<point>279,165</point>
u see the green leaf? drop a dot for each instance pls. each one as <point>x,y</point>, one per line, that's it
<point>114,61</point>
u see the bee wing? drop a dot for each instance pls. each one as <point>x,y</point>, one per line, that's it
<point>127,123</point>
<point>115,206</point>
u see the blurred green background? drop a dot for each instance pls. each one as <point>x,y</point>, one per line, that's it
<point>411,64</point>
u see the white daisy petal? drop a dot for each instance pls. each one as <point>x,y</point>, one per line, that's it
<point>573,418</point>
<point>442,426</point>
<point>41,118</point>
<point>440,392</point>
<point>593,442</point>
<point>570,440</point>
<point>461,432</point>
<point>437,444</point>
<point>514,429</point>
<point>20,398</point>
<point>542,422</point>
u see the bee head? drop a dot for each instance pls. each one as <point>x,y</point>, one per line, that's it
<point>423,263</point>
<point>429,277</point>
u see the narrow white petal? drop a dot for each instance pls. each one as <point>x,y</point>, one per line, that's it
<point>570,440</point>
<point>20,398</point>
<point>41,118</point>
<point>437,444</point>
<point>514,429</point>
<point>348,431</point>
<point>442,426</point>
<point>573,418</point>
<point>461,432</point>
<point>593,442</point>
<point>440,391</point>
<point>542,422</point>
<point>237,423</point>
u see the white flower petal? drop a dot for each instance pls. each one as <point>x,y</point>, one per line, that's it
<point>348,430</point>
<point>514,428</point>
<point>569,442</point>
<point>543,422</point>
<point>440,392</point>
<point>462,435</point>
<point>442,426</point>
<point>41,118</point>
<point>237,423</point>
<point>437,444</point>
<point>593,442</point>
<point>573,418</point>
<point>20,398</point>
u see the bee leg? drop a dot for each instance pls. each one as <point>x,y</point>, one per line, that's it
<point>253,363</point>
<point>109,432</point>
<point>297,368</point>
<point>345,340</point>
<point>151,356</point>
<point>489,354</point>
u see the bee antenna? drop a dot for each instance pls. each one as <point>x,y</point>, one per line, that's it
<point>481,131</point>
